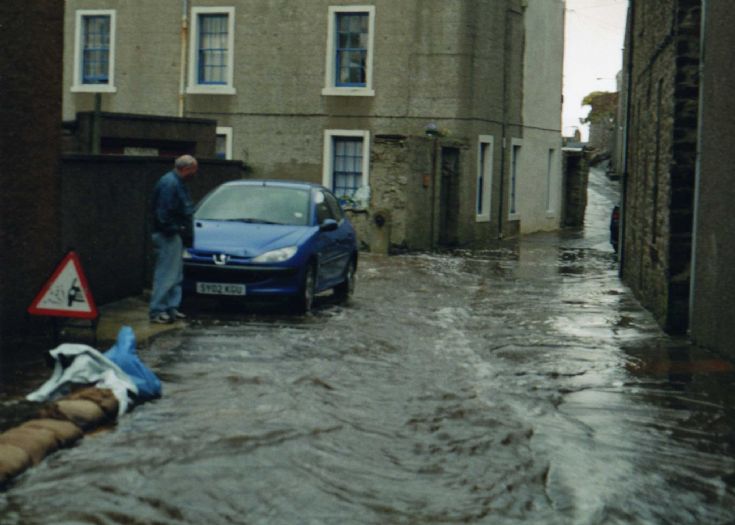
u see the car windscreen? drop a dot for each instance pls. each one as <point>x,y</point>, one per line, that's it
<point>256,204</point>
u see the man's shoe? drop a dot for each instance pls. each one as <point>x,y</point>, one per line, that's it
<point>177,315</point>
<point>162,318</point>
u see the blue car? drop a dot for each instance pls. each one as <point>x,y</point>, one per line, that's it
<point>268,238</point>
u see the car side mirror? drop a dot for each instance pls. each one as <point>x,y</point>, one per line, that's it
<point>329,225</point>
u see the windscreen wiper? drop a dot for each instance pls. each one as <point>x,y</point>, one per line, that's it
<point>252,220</point>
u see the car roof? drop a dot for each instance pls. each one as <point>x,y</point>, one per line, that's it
<point>274,182</point>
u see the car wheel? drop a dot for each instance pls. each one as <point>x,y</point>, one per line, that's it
<point>305,299</point>
<point>344,290</point>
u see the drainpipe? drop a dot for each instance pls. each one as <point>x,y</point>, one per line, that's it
<point>184,42</point>
<point>698,164</point>
<point>507,47</point>
<point>626,138</point>
<point>95,146</point>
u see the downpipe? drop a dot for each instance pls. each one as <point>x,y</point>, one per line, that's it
<point>698,165</point>
<point>184,40</point>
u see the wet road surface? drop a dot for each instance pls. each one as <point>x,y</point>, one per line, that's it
<point>522,384</point>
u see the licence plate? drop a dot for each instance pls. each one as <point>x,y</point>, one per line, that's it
<point>221,288</point>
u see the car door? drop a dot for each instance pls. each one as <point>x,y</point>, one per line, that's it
<point>327,245</point>
<point>344,236</point>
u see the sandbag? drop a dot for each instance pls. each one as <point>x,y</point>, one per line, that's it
<point>77,364</point>
<point>124,354</point>
<point>37,442</point>
<point>13,461</point>
<point>66,432</point>
<point>82,412</point>
<point>101,396</point>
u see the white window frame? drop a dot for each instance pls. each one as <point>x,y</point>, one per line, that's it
<point>227,132</point>
<point>194,87</point>
<point>328,162</point>
<point>513,186</point>
<point>330,81</point>
<point>487,189</point>
<point>77,85</point>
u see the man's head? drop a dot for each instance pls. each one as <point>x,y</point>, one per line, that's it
<point>186,166</point>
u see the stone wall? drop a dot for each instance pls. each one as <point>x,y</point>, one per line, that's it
<point>576,176</point>
<point>661,157</point>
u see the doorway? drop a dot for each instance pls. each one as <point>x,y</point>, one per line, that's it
<point>449,197</point>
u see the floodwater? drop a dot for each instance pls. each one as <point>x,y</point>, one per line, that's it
<point>522,384</point>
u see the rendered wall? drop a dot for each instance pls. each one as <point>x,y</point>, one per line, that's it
<point>713,314</point>
<point>540,178</point>
<point>30,112</point>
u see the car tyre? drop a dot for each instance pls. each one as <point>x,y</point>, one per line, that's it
<point>344,290</point>
<point>305,298</point>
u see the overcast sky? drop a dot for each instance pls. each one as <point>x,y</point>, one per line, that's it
<point>593,54</point>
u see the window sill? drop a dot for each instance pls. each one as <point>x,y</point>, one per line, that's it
<point>211,90</point>
<point>550,215</point>
<point>480,218</point>
<point>348,92</point>
<point>514,217</point>
<point>93,88</point>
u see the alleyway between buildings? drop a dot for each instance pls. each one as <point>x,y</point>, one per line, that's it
<point>519,384</point>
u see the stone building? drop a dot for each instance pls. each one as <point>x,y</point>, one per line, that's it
<point>662,68</point>
<point>678,228</point>
<point>451,106</point>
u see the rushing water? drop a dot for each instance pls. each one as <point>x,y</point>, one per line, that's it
<point>522,384</point>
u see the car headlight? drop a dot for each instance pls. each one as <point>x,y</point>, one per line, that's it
<point>280,255</point>
<point>185,254</point>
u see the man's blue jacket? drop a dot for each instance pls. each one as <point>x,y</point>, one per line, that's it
<point>172,206</point>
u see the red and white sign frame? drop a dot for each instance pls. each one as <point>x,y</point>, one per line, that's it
<point>66,293</point>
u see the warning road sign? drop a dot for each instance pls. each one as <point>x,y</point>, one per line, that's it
<point>66,293</point>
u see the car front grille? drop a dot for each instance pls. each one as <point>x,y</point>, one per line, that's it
<point>234,274</point>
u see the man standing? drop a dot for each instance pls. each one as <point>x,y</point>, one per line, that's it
<point>172,217</point>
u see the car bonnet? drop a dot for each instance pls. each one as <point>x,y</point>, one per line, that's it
<point>245,239</point>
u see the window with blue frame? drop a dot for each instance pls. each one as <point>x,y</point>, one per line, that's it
<point>351,49</point>
<point>213,52</point>
<point>95,49</point>
<point>346,166</point>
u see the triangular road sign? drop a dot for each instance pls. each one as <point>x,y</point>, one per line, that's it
<point>66,293</point>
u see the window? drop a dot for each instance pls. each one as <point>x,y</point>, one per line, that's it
<point>514,174</point>
<point>346,162</point>
<point>334,207</point>
<point>484,178</point>
<point>223,149</point>
<point>323,210</point>
<point>349,61</point>
<point>211,51</point>
<point>94,51</point>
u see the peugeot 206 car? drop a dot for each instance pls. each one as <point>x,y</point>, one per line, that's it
<point>262,238</point>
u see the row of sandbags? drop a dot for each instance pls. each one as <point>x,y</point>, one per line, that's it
<point>59,424</point>
<point>103,386</point>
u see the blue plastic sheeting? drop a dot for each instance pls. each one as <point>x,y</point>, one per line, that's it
<point>124,355</point>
